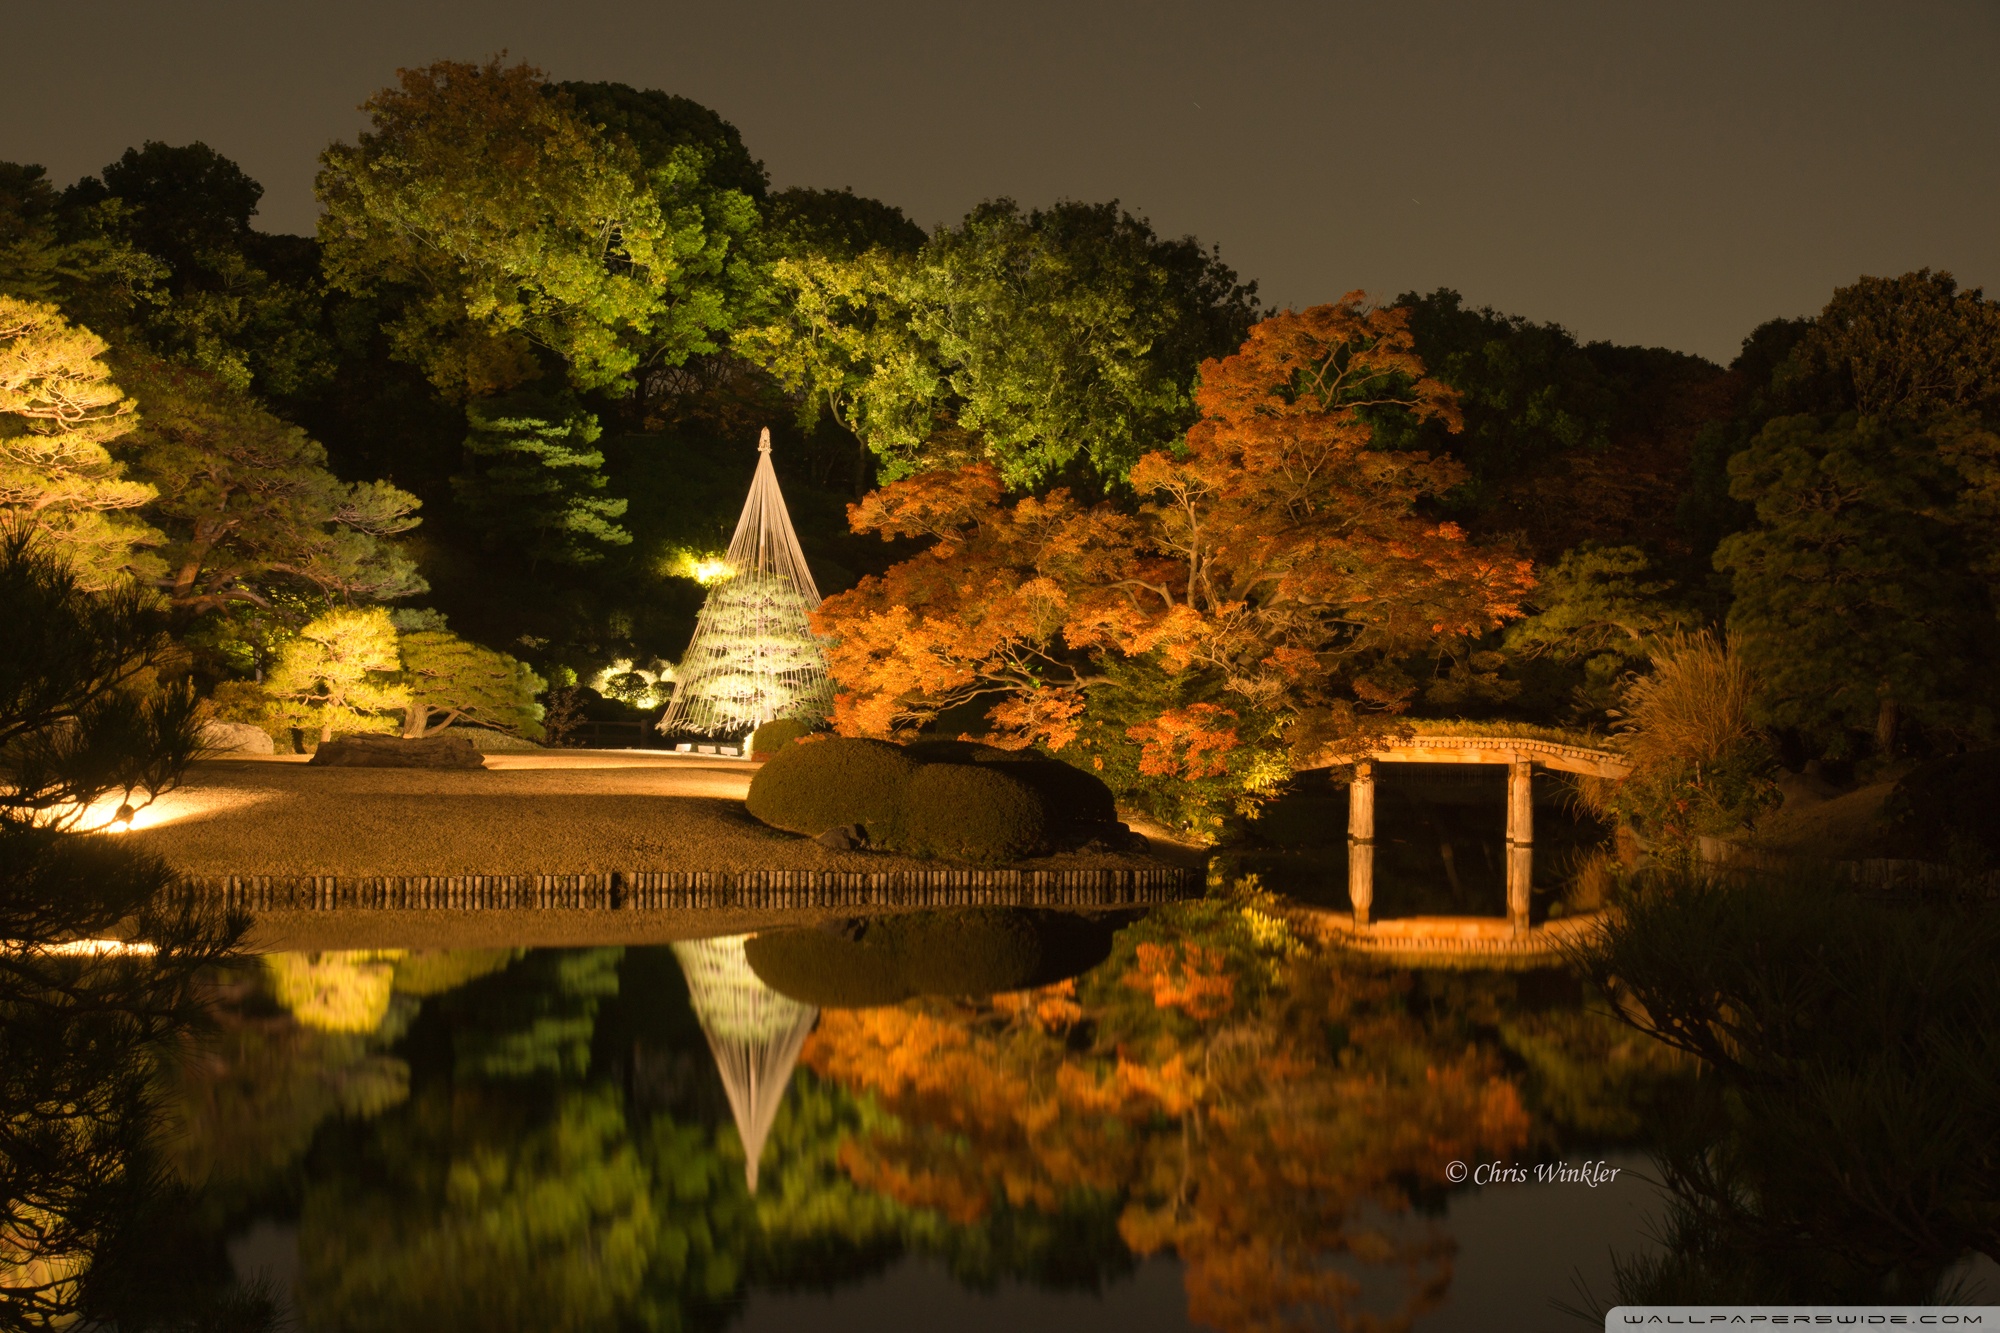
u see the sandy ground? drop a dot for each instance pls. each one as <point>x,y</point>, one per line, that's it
<point>553,812</point>
<point>1843,826</point>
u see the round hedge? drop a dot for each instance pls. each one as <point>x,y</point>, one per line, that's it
<point>777,734</point>
<point>833,781</point>
<point>890,959</point>
<point>971,812</point>
<point>1076,800</point>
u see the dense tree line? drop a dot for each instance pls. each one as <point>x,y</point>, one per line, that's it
<point>517,370</point>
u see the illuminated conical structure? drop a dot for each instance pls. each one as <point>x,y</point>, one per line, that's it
<point>753,656</point>
<point>754,1032</point>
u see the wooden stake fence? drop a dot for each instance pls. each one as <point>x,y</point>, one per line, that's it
<point>668,890</point>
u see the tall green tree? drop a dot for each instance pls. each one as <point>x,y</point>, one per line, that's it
<point>503,224</point>
<point>242,304</point>
<point>248,504</point>
<point>1909,348</point>
<point>534,484</point>
<point>1855,592</point>
<point>1045,340</point>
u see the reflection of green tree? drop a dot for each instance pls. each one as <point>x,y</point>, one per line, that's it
<point>537,1017</point>
<point>247,1106</point>
<point>476,1226</point>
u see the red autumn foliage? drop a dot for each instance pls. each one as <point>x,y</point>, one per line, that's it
<point>1279,555</point>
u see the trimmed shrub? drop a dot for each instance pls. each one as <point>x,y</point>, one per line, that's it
<point>1076,801</point>
<point>834,780</point>
<point>890,959</point>
<point>777,734</point>
<point>971,812</point>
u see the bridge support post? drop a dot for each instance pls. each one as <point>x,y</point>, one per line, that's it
<point>1520,841</point>
<point>1361,842</point>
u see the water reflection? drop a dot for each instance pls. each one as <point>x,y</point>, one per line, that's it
<point>754,1032</point>
<point>665,1137</point>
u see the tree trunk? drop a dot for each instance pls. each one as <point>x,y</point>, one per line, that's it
<point>414,719</point>
<point>1886,719</point>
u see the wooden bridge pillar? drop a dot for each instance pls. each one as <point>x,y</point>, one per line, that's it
<point>1361,803</point>
<point>1361,842</point>
<point>1520,840</point>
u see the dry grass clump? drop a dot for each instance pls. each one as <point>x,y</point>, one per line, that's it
<point>1694,706</point>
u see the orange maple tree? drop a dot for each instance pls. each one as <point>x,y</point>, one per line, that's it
<point>1279,569</point>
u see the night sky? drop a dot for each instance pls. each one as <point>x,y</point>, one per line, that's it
<point>1660,174</point>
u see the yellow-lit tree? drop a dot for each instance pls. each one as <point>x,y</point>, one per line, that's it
<point>340,674</point>
<point>58,410</point>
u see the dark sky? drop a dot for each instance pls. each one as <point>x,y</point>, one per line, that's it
<point>1668,174</point>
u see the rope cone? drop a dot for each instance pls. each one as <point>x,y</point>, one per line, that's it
<point>754,656</point>
<point>754,1033</point>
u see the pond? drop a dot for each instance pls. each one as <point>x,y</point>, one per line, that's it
<point>1198,1114</point>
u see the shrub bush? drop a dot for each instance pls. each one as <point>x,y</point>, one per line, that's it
<point>971,812</point>
<point>830,782</point>
<point>955,799</point>
<point>777,734</point>
<point>1076,801</point>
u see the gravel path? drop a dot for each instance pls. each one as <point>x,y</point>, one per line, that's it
<point>554,812</point>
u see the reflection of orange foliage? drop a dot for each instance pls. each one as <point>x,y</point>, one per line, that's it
<point>1266,1160</point>
<point>1191,980</point>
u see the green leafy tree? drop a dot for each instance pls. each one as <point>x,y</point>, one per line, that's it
<point>533,483</point>
<point>1855,595</point>
<point>452,681</point>
<point>243,305</point>
<point>502,223</point>
<point>58,410</point>
<point>50,253</point>
<point>248,504</point>
<point>340,674</point>
<point>1912,348</point>
<point>838,224</point>
<point>1599,611</point>
<point>1039,340</point>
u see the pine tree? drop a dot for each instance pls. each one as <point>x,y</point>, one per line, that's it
<point>340,674</point>
<point>58,410</point>
<point>452,680</point>
<point>533,483</point>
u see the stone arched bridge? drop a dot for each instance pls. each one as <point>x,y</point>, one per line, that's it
<point>1521,755</point>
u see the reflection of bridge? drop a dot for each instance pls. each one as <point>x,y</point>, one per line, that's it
<point>1520,754</point>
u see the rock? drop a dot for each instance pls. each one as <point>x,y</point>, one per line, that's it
<point>1117,838</point>
<point>366,751</point>
<point>235,738</point>
<point>846,838</point>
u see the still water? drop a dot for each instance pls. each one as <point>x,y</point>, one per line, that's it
<point>1215,1126</point>
<point>1201,1115</point>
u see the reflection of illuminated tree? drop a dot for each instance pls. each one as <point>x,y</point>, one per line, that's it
<point>337,990</point>
<point>754,1032</point>
<point>1256,1111</point>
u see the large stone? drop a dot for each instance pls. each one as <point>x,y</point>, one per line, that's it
<point>235,738</point>
<point>366,751</point>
